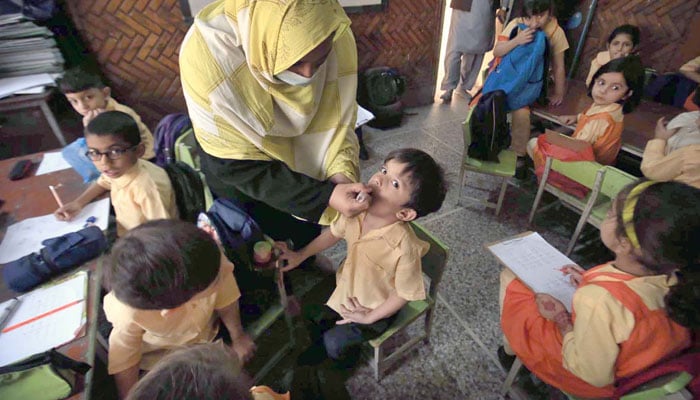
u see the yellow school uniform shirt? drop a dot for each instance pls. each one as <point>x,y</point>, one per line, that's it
<point>143,193</point>
<point>144,336</point>
<point>682,165</point>
<point>555,35</point>
<point>146,135</point>
<point>601,59</point>
<point>379,263</point>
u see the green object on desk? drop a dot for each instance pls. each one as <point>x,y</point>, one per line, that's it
<point>45,376</point>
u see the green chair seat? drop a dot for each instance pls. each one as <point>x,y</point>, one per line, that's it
<point>504,167</point>
<point>409,313</point>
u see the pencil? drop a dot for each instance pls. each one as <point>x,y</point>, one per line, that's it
<point>55,195</point>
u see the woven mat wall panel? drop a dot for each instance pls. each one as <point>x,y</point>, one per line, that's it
<point>663,24</point>
<point>136,44</point>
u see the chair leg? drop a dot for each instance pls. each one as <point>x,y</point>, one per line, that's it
<point>512,374</point>
<point>501,196</point>
<point>574,238</point>
<point>461,185</point>
<point>540,190</point>
<point>377,362</point>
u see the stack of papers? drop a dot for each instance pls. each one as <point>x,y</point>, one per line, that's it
<point>27,48</point>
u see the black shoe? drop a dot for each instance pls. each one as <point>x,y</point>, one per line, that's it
<point>504,358</point>
<point>521,170</point>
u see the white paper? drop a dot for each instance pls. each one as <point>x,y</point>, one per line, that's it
<point>363,116</point>
<point>9,86</point>
<point>52,162</point>
<point>538,264</point>
<point>61,312</point>
<point>25,237</point>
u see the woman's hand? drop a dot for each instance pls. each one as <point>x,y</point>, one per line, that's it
<point>568,119</point>
<point>575,273</point>
<point>661,132</point>
<point>68,211</point>
<point>355,312</point>
<point>344,198</point>
<point>339,178</point>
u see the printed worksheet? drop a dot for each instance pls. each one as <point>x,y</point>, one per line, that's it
<point>25,237</point>
<point>538,264</point>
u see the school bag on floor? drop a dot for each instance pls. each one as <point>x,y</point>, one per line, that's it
<point>488,126</point>
<point>522,73</point>
<point>379,90</point>
<point>167,131</point>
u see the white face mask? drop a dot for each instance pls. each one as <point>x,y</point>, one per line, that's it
<point>295,79</point>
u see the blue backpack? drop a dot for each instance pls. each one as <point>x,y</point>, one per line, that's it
<point>522,72</point>
<point>168,130</point>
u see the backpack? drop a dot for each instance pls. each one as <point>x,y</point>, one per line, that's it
<point>522,73</point>
<point>188,188</point>
<point>167,131</point>
<point>379,90</point>
<point>488,126</point>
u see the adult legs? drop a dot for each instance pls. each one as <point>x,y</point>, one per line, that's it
<point>471,65</point>
<point>453,65</point>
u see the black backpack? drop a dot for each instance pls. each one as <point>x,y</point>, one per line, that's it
<point>188,188</point>
<point>489,129</point>
<point>379,90</point>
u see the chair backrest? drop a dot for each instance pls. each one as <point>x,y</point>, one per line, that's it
<point>186,149</point>
<point>615,180</point>
<point>584,172</point>
<point>466,131</point>
<point>435,260</point>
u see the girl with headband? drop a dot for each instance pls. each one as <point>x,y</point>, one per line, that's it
<point>627,314</point>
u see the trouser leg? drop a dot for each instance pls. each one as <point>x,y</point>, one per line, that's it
<point>471,65</point>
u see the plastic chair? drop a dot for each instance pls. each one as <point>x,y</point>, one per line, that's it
<point>187,151</point>
<point>589,174</point>
<point>504,168</point>
<point>433,264</point>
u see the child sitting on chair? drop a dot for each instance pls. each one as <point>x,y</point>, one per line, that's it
<point>382,271</point>
<point>170,285</point>
<point>89,96</point>
<point>140,190</point>
<point>623,41</point>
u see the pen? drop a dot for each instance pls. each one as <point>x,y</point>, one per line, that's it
<point>52,188</point>
<point>7,313</point>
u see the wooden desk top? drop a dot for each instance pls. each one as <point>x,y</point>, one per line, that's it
<point>639,124</point>
<point>30,197</point>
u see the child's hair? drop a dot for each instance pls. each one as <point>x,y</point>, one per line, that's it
<point>626,29</point>
<point>203,371</point>
<point>427,178</point>
<point>633,71</point>
<point>115,123</point>
<point>78,79</point>
<point>535,7</point>
<point>666,223</point>
<point>161,264</point>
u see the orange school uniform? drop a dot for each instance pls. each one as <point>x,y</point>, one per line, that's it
<point>602,128</point>
<point>620,329</point>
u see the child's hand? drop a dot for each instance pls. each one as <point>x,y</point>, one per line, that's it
<point>68,211</point>
<point>91,115</point>
<point>525,37</point>
<point>355,312</point>
<point>243,347</point>
<point>575,273</point>
<point>661,132</point>
<point>568,119</point>
<point>553,310</point>
<point>292,258</point>
<point>556,99</point>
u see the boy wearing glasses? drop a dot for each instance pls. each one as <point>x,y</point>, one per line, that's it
<point>140,190</point>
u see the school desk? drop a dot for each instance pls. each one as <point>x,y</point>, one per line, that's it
<point>31,197</point>
<point>639,124</point>
<point>33,101</point>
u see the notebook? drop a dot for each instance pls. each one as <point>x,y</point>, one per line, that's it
<point>537,264</point>
<point>47,317</point>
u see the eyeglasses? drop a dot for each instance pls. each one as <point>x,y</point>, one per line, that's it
<point>113,154</point>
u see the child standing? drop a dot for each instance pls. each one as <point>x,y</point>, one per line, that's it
<point>382,271</point>
<point>90,97</point>
<point>169,286</point>
<point>623,41</point>
<point>538,15</point>
<point>140,190</point>
<point>628,314</point>
<point>616,90</point>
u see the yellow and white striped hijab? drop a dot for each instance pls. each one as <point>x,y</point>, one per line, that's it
<point>239,110</point>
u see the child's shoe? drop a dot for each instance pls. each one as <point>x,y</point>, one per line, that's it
<point>521,168</point>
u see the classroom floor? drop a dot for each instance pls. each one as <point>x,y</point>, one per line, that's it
<point>460,361</point>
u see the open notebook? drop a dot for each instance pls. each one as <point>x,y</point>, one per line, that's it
<point>537,263</point>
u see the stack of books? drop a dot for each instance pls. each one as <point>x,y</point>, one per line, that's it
<point>27,48</point>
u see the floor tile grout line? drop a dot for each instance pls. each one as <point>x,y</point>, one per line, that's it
<point>439,216</point>
<point>470,332</point>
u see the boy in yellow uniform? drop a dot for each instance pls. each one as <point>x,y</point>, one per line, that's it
<point>89,97</point>
<point>140,190</point>
<point>382,271</point>
<point>170,286</point>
